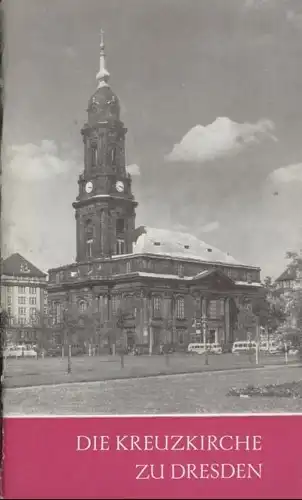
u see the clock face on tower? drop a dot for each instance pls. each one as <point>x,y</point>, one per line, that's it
<point>89,187</point>
<point>120,186</point>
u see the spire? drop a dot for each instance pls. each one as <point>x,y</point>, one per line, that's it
<point>103,75</point>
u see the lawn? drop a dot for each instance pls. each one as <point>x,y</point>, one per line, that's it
<point>27,372</point>
<point>201,393</point>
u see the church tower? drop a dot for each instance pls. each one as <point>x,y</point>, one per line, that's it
<point>105,206</point>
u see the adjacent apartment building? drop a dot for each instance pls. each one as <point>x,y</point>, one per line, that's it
<point>24,297</point>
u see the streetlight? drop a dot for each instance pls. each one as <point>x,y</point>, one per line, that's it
<point>66,325</point>
<point>204,330</point>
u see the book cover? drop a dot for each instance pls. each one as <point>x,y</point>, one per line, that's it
<point>151,271</point>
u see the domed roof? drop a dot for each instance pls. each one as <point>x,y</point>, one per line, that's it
<point>103,105</point>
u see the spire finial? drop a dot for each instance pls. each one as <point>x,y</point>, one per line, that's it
<point>103,75</point>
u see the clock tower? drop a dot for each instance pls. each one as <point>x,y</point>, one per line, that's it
<point>105,205</point>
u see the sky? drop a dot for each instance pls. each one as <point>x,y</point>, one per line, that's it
<point>211,94</point>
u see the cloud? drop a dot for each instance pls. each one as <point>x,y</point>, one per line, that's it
<point>221,138</point>
<point>133,169</point>
<point>291,173</point>
<point>39,186</point>
<point>31,162</point>
<point>294,18</point>
<point>211,226</point>
<point>257,4</point>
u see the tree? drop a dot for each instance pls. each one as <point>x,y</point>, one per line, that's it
<point>295,260</point>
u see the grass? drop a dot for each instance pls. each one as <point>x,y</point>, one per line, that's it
<point>200,393</point>
<point>28,372</point>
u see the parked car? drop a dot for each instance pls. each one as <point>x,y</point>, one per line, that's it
<point>56,351</point>
<point>201,348</point>
<point>244,346</point>
<point>20,352</point>
<point>269,347</point>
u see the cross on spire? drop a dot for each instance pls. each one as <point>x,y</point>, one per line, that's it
<point>103,75</point>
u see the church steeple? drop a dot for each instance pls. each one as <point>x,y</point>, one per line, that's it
<point>105,205</point>
<point>103,74</point>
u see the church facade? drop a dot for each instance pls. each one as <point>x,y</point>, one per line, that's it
<point>141,286</point>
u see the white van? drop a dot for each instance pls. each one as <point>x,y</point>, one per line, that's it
<point>244,346</point>
<point>269,347</point>
<point>202,348</point>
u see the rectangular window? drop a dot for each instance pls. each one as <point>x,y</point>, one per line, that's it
<point>21,300</point>
<point>9,311</point>
<point>32,290</point>
<point>9,289</point>
<point>33,312</point>
<point>89,249</point>
<point>32,301</point>
<point>22,321</point>
<point>181,336</point>
<point>120,225</point>
<point>213,309</point>
<point>9,300</point>
<point>180,308</point>
<point>22,311</point>
<point>180,270</point>
<point>128,267</point>
<point>21,289</point>
<point>57,312</point>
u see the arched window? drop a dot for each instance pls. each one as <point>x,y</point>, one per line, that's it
<point>82,306</point>
<point>113,155</point>
<point>115,303</point>
<point>180,307</point>
<point>94,156</point>
<point>56,312</point>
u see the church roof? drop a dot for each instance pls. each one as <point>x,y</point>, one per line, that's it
<point>17,265</point>
<point>179,245</point>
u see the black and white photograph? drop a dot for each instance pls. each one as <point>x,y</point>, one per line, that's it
<point>151,207</point>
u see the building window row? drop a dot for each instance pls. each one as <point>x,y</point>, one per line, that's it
<point>22,290</point>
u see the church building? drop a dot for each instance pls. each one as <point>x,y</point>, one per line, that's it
<point>144,285</point>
